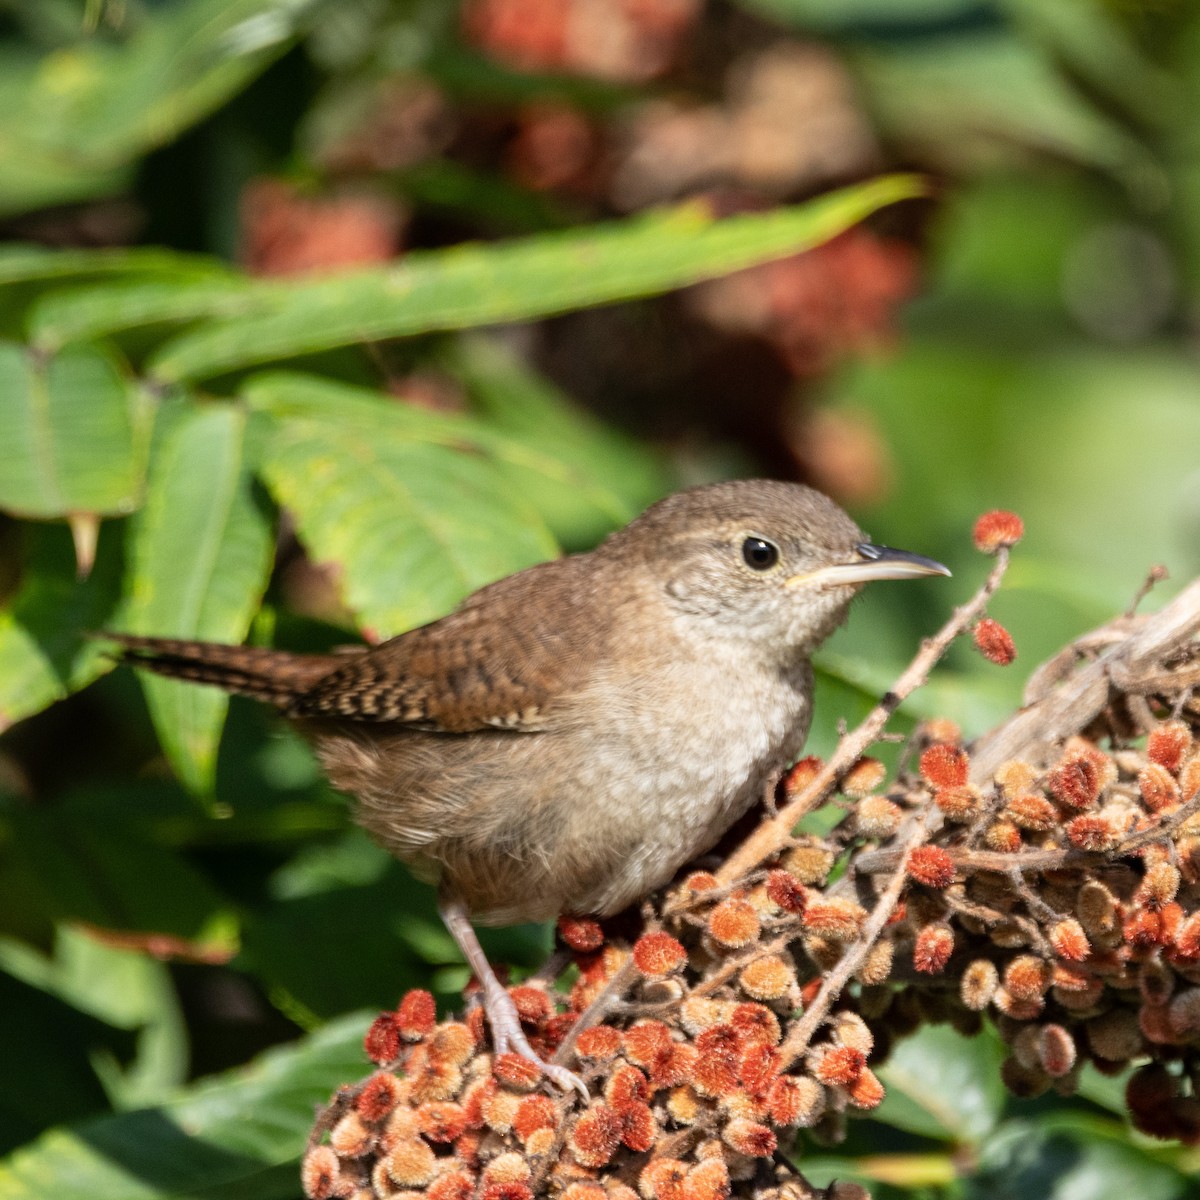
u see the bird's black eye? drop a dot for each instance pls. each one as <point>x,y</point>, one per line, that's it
<point>759,553</point>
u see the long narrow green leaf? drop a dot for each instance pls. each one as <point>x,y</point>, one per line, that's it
<point>201,556</point>
<point>98,310</point>
<point>29,263</point>
<point>238,1137</point>
<point>73,430</point>
<point>395,497</point>
<point>476,285</point>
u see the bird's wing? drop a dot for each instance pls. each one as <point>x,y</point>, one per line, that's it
<point>498,662</point>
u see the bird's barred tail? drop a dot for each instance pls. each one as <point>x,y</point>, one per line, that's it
<point>275,676</point>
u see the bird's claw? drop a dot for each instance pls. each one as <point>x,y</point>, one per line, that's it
<point>508,1042</point>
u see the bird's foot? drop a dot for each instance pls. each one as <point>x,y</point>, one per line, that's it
<point>509,1038</point>
<point>507,1035</point>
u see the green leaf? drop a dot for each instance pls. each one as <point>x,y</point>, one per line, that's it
<point>970,98</point>
<point>73,433</point>
<point>942,1085</point>
<point>393,496</point>
<point>582,476</point>
<point>128,989</point>
<point>75,314</point>
<point>474,285</point>
<point>31,264</point>
<point>846,15</point>
<point>76,119</point>
<point>200,559</point>
<point>1069,1157</point>
<point>44,654</point>
<point>235,1138</point>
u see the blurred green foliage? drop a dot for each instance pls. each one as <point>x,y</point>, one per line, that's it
<point>180,443</point>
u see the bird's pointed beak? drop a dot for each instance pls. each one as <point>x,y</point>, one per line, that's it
<point>873,562</point>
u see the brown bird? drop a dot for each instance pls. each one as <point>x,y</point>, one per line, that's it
<point>569,737</point>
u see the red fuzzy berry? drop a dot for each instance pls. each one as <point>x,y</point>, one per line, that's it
<point>994,642</point>
<point>801,775</point>
<point>382,1042</point>
<point>533,1113</point>
<point>756,1023</point>
<point>454,1185</point>
<point>1069,940</point>
<point>533,1004</point>
<point>932,866</point>
<point>658,953</point>
<point>596,1136</point>
<point>785,890</point>
<point>626,1085</point>
<point>758,1068</point>
<point>415,1015</point>
<point>1078,778</point>
<point>997,528</point>
<point>1027,977</point>
<point>750,1138</point>
<point>734,923</point>
<point>580,934</point>
<point>707,1180</point>
<point>1168,745</point>
<point>866,1091</point>
<point>638,1127</point>
<point>841,1065</point>
<point>1091,833</point>
<point>600,1042</point>
<point>1158,787</point>
<point>944,766</point>
<point>380,1094</point>
<point>718,1057</point>
<point>932,949</point>
<point>506,1189</point>
<point>441,1120</point>
<point>516,1071</point>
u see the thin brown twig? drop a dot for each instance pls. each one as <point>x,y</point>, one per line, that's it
<point>771,836</point>
<point>880,862</point>
<point>599,1007</point>
<point>802,1033</point>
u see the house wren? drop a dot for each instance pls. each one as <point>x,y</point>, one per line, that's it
<point>569,737</point>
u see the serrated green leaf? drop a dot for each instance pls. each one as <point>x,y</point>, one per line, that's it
<point>199,562</point>
<point>394,496</point>
<point>44,653</point>
<point>473,285</point>
<point>235,1138</point>
<point>73,433</point>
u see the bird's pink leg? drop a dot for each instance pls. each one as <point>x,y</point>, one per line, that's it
<point>505,1022</point>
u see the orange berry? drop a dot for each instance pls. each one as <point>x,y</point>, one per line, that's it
<point>932,949</point>
<point>944,766</point>
<point>932,866</point>
<point>658,953</point>
<point>994,642</point>
<point>734,923</point>
<point>997,528</point>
